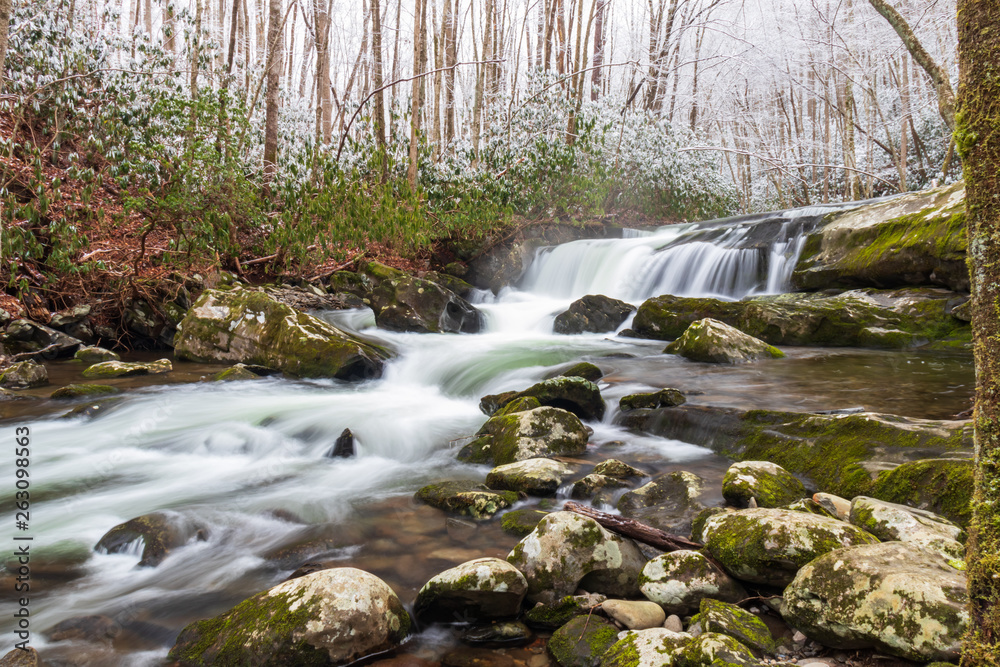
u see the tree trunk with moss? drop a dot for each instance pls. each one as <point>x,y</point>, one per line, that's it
<point>977,136</point>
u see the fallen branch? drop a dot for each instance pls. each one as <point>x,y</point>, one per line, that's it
<point>654,537</point>
<point>339,267</point>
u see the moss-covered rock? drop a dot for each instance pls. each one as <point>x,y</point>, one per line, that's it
<point>567,551</point>
<point>574,394</point>
<point>810,506</point>
<point>562,611</point>
<point>715,342</point>
<point>617,469</point>
<point>84,390</point>
<point>712,649</point>
<point>535,477</point>
<point>541,432</point>
<point>251,327</point>
<point>332,617</point>
<point>581,369</point>
<point>592,484</point>
<point>850,319</point>
<point>916,239</point>
<point>158,534</point>
<point>594,313</point>
<point>848,455</point>
<point>94,355</point>
<point>24,337</point>
<point>582,641</point>
<point>891,522</point>
<point>835,505</point>
<point>466,497</point>
<point>768,484</point>
<point>24,374</point>
<point>768,546</point>
<point>664,398</point>
<point>498,633</point>
<point>678,581</point>
<point>114,369</point>
<point>521,522</point>
<point>669,502</point>
<point>485,588</point>
<point>656,647</point>
<point>894,596</point>
<point>521,404</point>
<point>741,625</point>
<point>405,303</point>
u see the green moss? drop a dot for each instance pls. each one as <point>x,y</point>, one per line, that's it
<point>583,369</point>
<point>557,614</point>
<point>466,497</point>
<point>520,404</point>
<point>664,398</point>
<point>741,625</point>
<point>582,641</point>
<point>942,485</point>
<point>83,390</point>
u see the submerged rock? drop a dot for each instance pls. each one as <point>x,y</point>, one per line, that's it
<point>485,588</point>
<point>678,581</point>
<point>716,342</point>
<point>767,484</point>
<point>158,533</point>
<point>594,313</point>
<point>567,551</point>
<point>250,327</point>
<point>114,369</point>
<point>896,597</point>
<point>768,546</point>
<point>524,435</point>
<point>236,372</point>
<point>83,390</point>
<point>332,617</point>
<point>664,398</point>
<point>343,447</point>
<point>24,374</point>
<point>466,497</point>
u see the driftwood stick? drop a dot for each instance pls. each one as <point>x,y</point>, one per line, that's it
<point>634,529</point>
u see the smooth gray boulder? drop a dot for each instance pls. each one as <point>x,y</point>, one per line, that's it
<point>536,477</point>
<point>480,589</point>
<point>898,523</point>
<point>716,342</point>
<point>678,581</point>
<point>768,484</point>
<point>897,597</point>
<point>668,502</point>
<point>594,313</point>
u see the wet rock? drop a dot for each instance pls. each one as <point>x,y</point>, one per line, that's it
<point>485,588</point>
<point>521,522</point>
<point>898,523</point>
<point>311,297</point>
<point>234,373</point>
<point>476,657</point>
<point>678,581</point>
<point>768,546</point>
<point>69,316</point>
<point>582,369</point>
<point>617,469</point>
<point>405,303</point>
<point>574,394</point>
<point>582,641</point>
<point>741,625</point>
<point>839,507</point>
<point>250,327</point>
<point>594,313</point>
<point>655,647</point>
<point>592,484</point>
<point>559,613</point>
<point>19,658</point>
<point>535,477</point>
<point>84,390</point>
<point>716,342</point>
<point>95,355</point>
<point>95,628</point>
<point>768,484</point>
<point>916,239</point>
<point>711,648</point>
<point>24,374</point>
<point>343,448</point>
<point>669,502</point>
<point>541,432</point>
<point>568,551</point>
<point>503,633</point>
<point>896,597</point>
<point>466,497</point>
<point>24,337</point>
<point>635,614</point>
<point>158,533</point>
<point>520,404</point>
<point>114,369</point>
<point>335,616</point>
<point>156,322</point>
<point>664,398</point>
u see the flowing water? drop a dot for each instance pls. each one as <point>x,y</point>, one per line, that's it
<point>242,463</point>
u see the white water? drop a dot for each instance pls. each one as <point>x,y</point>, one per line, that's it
<point>224,456</point>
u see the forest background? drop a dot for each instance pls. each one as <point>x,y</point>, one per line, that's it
<point>140,136</point>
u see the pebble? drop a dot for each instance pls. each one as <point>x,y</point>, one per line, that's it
<point>635,615</point>
<point>673,623</point>
<point>799,638</point>
<point>839,506</point>
<point>539,661</point>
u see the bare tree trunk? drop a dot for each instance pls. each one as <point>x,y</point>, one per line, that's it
<point>275,41</point>
<point>482,72</point>
<point>904,98</point>
<point>850,161</point>
<point>195,57</point>
<point>148,15</point>
<point>451,58</point>
<point>939,76</point>
<point>324,109</point>
<point>379,111</point>
<point>418,36</point>
<point>5,9</point>
<point>597,77</point>
<point>221,145</point>
<point>439,39</point>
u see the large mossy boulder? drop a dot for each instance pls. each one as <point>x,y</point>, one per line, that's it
<point>846,454</point>
<point>656,647</point>
<point>891,522</point>
<point>250,327</point>
<point>678,581</point>
<point>541,432</point>
<point>916,239</point>
<point>567,551</point>
<point>767,484</point>
<point>405,303</point>
<point>896,597</point>
<point>535,477</point>
<point>892,319</point>
<point>575,394</point>
<point>582,641</point>
<point>594,313</point>
<point>769,546</point>
<point>664,398</point>
<point>331,617</point>
<point>24,375</point>
<point>158,533</point>
<point>480,589</point>
<point>466,497</point>
<point>715,342</point>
